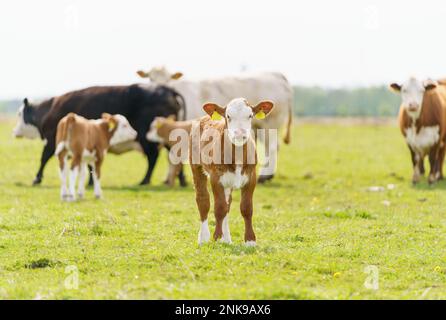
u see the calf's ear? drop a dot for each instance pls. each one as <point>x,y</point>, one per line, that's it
<point>395,87</point>
<point>176,76</point>
<point>111,121</point>
<point>430,84</point>
<point>142,74</point>
<point>214,110</point>
<point>262,109</point>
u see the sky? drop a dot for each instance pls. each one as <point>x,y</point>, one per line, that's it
<point>49,47</point>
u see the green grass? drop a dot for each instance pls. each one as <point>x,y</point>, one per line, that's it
<point>317,228</point>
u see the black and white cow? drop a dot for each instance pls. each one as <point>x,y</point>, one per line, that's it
<point>140,104</point>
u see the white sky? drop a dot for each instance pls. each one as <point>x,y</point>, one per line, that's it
<point>48,47</point>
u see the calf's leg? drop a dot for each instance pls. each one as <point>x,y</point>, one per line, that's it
<point>246,209</point>
<point>222,200</point>
<point>203,202</point>
<point>414,162</point>
<point>74,171</point>
<point>63,173</point>
<point>97,178</point>
<point>81,183</point>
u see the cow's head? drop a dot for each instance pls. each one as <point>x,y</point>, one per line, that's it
<point>412,93</point>
<point>26,126</point>
<point>120,128</point>
<point>158,128</point>
<point>238,115</point>
<point>159,75</point>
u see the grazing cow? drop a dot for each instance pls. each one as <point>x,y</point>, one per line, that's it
<point>140,104</point>
<point>231,164</point>
<point>86,142</point>
<point>160,132</point>
<point>254,87</point>
<point>422,119</point>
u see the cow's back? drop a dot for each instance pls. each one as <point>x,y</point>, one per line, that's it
<point>254,87</point>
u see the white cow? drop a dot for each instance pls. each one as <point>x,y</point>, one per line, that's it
<point>254,87</point>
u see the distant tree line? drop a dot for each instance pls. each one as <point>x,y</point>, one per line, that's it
<point>359,102</point>
<point>320,102</point>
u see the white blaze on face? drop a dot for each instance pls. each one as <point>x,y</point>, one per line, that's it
<point>159,75</point>
<point>239,117</point>
<point>25,130</point>
<point>412,93</point>
<point>124,131</point>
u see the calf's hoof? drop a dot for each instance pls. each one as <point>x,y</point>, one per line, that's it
<point>250,243</point>
<point>432,179</point>
<point>264,178</point>
<point>37,181</point>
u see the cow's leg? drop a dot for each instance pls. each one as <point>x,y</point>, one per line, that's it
<point>415,162</point>
<point>47,153</point>
<point>416,168</point>
<point>152,152</point>
<point>246,209</point>
<point>203,202</point>
<point>81,183</point>
<point>434,168</point>
<point>441,156</point>
<point>271,147</point>
<point>74,171</point>
<point>97,178</point>
<point>63,173</point>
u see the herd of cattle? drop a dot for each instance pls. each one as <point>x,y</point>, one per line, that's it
<point>83,125</point>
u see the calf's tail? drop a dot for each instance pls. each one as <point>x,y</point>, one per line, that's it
<point>63,133</point>
<point>287,137</point>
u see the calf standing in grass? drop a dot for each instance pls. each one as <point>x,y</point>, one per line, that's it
<point>160,131</point>
<point>422,120</point>
<point>230,164</point>
<point>86,142</point>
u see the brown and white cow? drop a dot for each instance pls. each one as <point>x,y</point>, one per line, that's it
<point>224,151</point>
<point>422,119</point>
<point>86,142</point>
<point>163,130</point>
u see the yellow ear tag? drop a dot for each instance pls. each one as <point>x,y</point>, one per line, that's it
<point>111,125</point>
<point>260,115</point>
<point>216,116</point>
<point>158,125</point>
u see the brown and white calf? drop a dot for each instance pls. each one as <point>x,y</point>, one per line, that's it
<point>86,142</point>
<point>422,119</point>
<point>224,151</point>
<point>162,130</point>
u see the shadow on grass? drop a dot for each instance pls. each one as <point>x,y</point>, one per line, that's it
<point>424,185</point>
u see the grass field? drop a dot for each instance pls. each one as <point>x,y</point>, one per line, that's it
<point>318,228</point>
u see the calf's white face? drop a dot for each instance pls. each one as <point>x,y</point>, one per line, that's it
<point>238,118</point>
<point>238,115</point>
<point>124,131</point>
<point>412,93</point>
<point>23,129</point>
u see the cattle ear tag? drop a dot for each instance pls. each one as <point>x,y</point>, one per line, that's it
<point>158,125</point>
<point>260,115</point>
<point>216,116</point>
<point>111,125</point>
